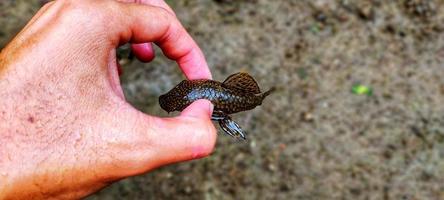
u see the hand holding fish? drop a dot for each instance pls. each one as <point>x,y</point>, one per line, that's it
<point>66,130</point>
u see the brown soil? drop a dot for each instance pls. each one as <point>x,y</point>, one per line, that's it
<point>314,138</point>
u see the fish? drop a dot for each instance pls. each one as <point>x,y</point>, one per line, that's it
<point>238,93</point>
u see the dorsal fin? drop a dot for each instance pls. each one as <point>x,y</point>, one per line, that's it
<point>242,81</point>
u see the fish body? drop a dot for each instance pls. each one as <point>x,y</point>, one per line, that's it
<point>224,99</point>
<point>239,92</point>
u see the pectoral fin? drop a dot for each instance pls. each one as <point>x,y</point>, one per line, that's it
<point>218,115</point>
<point>232,128</point>
<point>227,124</point>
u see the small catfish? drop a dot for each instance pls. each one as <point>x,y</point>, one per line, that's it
<point>239,92</point>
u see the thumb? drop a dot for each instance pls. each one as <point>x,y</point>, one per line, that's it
<point>200,109</point>
<point>155,142</point>
<point>189,136</point>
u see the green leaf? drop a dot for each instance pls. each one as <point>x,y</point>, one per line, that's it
<point>362,90</point>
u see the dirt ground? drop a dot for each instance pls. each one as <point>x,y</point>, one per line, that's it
<point>313,138</point>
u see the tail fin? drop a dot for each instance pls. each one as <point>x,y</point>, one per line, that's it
<point>271,90</point>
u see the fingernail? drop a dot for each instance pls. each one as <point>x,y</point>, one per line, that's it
<point>211,108</point>
<point>199,109</point>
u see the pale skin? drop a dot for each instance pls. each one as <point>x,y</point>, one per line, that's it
<point>66,130</point>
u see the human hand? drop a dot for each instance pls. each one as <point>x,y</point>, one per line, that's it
<point>65,129</point>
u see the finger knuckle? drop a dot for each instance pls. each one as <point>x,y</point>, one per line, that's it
<point>164,14</point>
<point>86,14</point>
<point>167,18</point>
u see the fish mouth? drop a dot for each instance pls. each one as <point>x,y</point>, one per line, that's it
<point>162,102</point>
<point>165,103</point>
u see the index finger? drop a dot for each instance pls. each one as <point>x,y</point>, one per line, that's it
<point>155,24</point>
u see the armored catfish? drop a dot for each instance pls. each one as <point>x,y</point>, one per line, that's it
<point>239,92</point>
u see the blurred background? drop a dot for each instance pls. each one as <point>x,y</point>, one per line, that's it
<point>359,112</point>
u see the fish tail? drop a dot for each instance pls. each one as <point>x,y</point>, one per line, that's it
<point>271,90</point>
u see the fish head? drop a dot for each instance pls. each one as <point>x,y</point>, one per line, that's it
<point>175,99</point>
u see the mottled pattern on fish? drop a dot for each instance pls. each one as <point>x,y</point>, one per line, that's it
<point>239,92</point>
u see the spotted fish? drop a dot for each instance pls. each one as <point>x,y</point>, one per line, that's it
<point>239,92</point>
